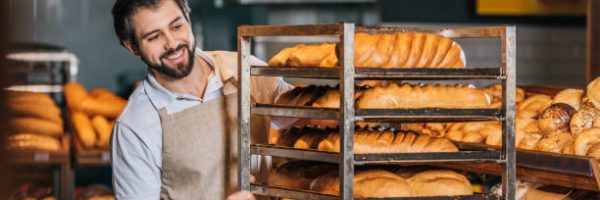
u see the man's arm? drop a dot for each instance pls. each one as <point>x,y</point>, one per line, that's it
<point>135,172</point>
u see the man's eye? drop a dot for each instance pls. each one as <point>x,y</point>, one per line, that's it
<point>178,26</point>
<point>152,38</point>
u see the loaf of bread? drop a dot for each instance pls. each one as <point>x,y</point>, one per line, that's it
<point>298,174</point>
<point>569,96</point>
<point>400,50</point>
<point>301,96</point>
<point>36,98</point>
<point>84,129</point>
<point>428,96</point>
<point>100,102</point>
<point>375,183</point>
<point>36,126</point>
<point>29,141</point>
<point>495,92</point>
<point>535,194</point>
<point>29,109</point>
<point>433,129</point>
<point>388,142</point>
<point>103,128</point>
<point>472,132</point>
<point>439,183</point>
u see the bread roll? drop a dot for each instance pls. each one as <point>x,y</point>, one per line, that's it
<point>407,96</point>
<point>473,132</point>
<point>555,142</point>
<point>374,183</point>
<point>495,92</point>
<point>104,129</point>
<point>399,50</point>
<point>587,139</point>
<point>36,126</point>
<point>84,129</point>
<point>593,92</point>
<point>29,141</point>
<point>530,141</point>
<point>569,96</point>
<point>556,118</point>
<point>439,183</point>
<point>583,119</point>
<point>298,174</point>
<point>533,106</point>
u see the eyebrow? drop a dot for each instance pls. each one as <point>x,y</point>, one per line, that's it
<point>156,30</point>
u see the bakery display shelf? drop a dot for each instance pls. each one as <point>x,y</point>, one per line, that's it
<point>282,192</point>
<point>37,157</point>
<point>405,115</point>
<point>382,73</point>
<point>387,158</point>
<point>549,168</point>
<point>347,73</point>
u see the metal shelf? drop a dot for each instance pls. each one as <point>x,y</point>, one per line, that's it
<point>304,194</point>
<point>404,115</point>
<point>382,73</point>
<point>388,158</point>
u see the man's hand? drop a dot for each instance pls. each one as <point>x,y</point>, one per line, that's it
<point>243,195</point>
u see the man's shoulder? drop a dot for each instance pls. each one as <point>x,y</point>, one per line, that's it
<point>139,112</point>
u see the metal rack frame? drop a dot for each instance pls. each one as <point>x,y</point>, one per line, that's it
<point>347,74</point>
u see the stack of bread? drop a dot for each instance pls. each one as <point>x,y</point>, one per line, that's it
<point>371,183</point>
<point>365,141</point>
<point>35,122</point>
<point>92,114</point>
<point>400,50</point>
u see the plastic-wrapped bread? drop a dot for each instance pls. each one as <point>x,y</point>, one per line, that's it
<point>35,125</point>
<point>439,183</point>
<point>374,183</point>
<point>84,129</point>
<point>103,128</point>
<point>428,96</point>
<point>399,50</point>
<point>389,142</point>
<point>30,141</point>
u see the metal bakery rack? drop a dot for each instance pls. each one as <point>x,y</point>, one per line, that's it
<point>346,73</point>
<point>45,69</point>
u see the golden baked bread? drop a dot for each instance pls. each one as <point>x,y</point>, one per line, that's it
<point>593,92</point>
<point>556,142</point>
<point>84,129</point>
<point>388,142</point>
<point>103,129</point>
<point>74,93</point>
<point>300,96</point>
<point>433,129</point>
<point>428,96</point>
<point>569,96</point>
<point>93,106</point>
<point>100,102</point>
<point>584,118</point>
<point>472,132</point>
<point>35,125</point>
<point>439,183</point>
<point>298,174</point>
<point>288,137</point>
<point>310,140</point>
<point>495,92</point>
<point>535,194</point>
<point>587,140</point>
<point>29,141</point>
<point>556,118</point>
<point>400,50</point>
<point>34,110</point>
<point>375,183</point>
<point>35,98</point>
<point>532,106</point>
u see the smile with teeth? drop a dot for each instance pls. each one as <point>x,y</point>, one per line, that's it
<point>175,56</point>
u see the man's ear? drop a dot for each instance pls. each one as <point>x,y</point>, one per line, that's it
<point>131,47</point>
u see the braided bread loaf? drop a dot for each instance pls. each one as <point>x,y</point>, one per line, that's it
<point>399,50</point>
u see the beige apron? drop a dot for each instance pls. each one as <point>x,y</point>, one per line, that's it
<point>199,156</point>
<point>199,145</point>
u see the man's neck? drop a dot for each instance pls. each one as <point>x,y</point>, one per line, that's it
<point>195,83</point>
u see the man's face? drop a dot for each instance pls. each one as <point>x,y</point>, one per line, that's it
<point>164,39</point>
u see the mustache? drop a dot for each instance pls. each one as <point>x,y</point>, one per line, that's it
<point>171,51</point>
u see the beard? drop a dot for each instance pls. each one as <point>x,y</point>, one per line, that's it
<point>178,71</point>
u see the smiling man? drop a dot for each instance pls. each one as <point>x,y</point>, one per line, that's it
<point>177,137</point>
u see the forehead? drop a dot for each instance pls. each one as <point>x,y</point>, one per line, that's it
<point>146,19</point>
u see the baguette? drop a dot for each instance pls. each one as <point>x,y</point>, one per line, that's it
<point>36,125</point>
<point>84,129</point>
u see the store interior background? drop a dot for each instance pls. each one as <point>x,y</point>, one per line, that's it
<point>550,51</point>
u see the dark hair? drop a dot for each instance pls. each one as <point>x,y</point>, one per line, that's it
<point>123,9</point>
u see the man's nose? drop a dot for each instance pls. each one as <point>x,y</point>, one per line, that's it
<point>170,42</point>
